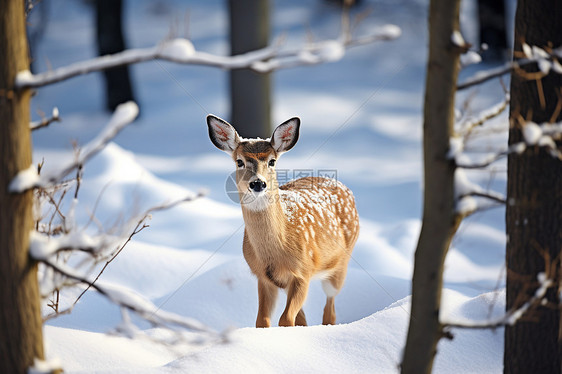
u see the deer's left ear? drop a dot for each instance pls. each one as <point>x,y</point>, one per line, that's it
<point>286,135</point>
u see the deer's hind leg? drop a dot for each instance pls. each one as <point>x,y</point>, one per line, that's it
<point>300,320</point>
<point>332,286</point>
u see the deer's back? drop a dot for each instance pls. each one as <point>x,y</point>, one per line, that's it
<point>322,212</point>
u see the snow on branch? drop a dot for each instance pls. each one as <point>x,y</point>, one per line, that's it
<point>544,135</point>
<point>466,127</point>
<point>131,300</point>
<point>182,51</point>
<point>323,51</point>
<point>511,317</point>
<point>45,121</point>
<point>30,178</point>
<point>546,61</point>
<point>466,193</point>
<point>534,135</point>
<point>100,248</point>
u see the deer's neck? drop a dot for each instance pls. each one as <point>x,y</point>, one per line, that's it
<point>266,227</point>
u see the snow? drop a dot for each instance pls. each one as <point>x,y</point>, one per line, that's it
<point>470,58</point>
<point>178,49</point>
<point>45,367</point>
<point>361,117</point>
<point>391,31</point>
<point>457,39</point>
<point>24,179</point>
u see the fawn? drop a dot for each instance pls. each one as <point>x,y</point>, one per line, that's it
<point>306,227</point>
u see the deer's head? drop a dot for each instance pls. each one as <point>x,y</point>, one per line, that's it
<point>255,159</point>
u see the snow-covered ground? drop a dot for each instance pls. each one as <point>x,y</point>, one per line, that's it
<point>360,117</point>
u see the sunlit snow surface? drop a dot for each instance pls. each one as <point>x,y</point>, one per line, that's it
<point>361,118</point>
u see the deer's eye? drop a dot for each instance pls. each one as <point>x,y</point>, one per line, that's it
<point>272,162</point>
<point>240,163</point>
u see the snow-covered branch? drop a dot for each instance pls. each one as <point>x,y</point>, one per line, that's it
<point>30,178</point>
<point>511,316</point>
<point>490,158</point>
<point>534,135</point>
<point>182,51</point>
<point>466,193</point>
<point>544,135</point>
<point>131,300</point>
<point>466,127</point>
<point>533,55</point>
<point>98,248</point>
<point>323,51</point>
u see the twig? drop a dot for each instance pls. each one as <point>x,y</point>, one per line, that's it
<point>46,121</point>
<point>485,76</point>
<point>484,116</point>
<point>494,197</point>
<point>29,178</point>
<point>512,315</point>
<point>514,148</point>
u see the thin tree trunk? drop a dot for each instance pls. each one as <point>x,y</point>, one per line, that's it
<point>21,337</point>
<point>250,92</point>
<point>534,212</point>
<point>110,40</point>
<point>439,219</point>
<point>491,16</point>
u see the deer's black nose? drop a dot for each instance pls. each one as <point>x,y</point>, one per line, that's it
<point>258,185</point>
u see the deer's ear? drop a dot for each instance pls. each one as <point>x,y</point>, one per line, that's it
<point>222,134</point>
<point>286,135</point>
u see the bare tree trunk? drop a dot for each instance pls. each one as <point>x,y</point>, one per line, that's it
<point>534,214</point>
<point>250,91</point>
<point>110,40</point>
<point>439,219</point>
<point>21,337</point>
<point>491,16</point>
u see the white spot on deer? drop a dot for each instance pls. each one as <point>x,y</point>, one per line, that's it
<point>329,289</point>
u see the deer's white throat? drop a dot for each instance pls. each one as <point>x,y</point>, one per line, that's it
<point>255,202</point>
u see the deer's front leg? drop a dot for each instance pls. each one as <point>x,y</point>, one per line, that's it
<point>267,295</point>
<point>296,295</point>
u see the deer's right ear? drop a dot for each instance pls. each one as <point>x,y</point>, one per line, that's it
<point>222,134</point>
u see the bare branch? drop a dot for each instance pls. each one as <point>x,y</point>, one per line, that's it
<point>484,76</point>
<point>46,121</point>
<point>491,195</point>
<point>514,148</point>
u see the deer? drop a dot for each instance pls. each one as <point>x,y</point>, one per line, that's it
<point>303,229</point>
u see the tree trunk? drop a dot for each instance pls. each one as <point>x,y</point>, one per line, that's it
<point>534,212</point>
<point>110,40</point>
<point>21,337</point>
<point>439,219</point>
<point>491,17</point>
<point>250,92</point>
